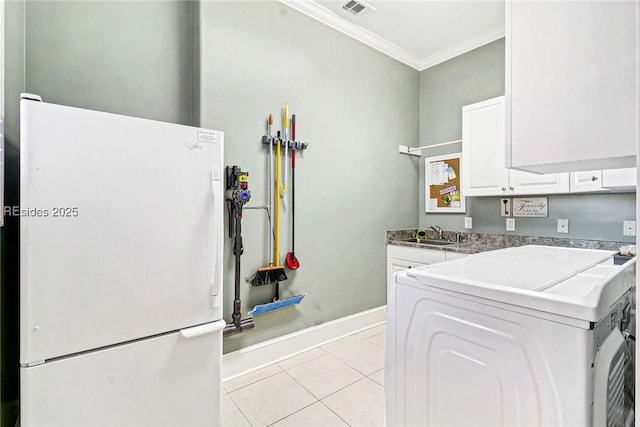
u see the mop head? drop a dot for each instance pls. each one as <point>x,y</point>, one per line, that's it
<point>268,276</point>
<point>274,306</point>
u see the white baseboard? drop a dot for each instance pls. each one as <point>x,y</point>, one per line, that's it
<point>256,356</point>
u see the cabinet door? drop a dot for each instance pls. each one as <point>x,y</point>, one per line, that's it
<point>450,256</point>
<point>586,181</point>
<point>521,182</point>
<point>571,70</point>
<point>415,255</point>
<point>620,178</point>
<point>483,148</point>
<point>396,265</point>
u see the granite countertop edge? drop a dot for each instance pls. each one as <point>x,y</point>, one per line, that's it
<point>471,243</point>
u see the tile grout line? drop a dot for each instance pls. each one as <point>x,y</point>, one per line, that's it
<point>369,376</point>
<point>240,410</point>
<point>353,367</point>
<point>358,380</point>
<point>334,392</point>
<point>306,361</point>
<point>293,413</point>
<point>334,412</point>
<point>317,400</point>
<point>312,360</point>
<point>304,407</point>
<point>256,381</point>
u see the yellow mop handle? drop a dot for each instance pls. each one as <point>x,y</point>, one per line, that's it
<point>286,121</point>
<point>285,186</point>
<point>277,212</point>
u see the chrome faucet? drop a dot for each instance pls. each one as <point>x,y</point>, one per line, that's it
<point>438,230</point>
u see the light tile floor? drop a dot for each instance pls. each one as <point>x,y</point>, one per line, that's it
<point>338,384</point>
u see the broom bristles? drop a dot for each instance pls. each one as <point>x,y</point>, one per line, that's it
<point>268,276</point>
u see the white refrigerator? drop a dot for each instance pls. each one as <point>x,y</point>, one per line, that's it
<point>121,269</point>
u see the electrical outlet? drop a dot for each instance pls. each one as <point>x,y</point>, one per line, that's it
<point>505,207</point>
<point>629,228</point>
<point>511,224</point>
<point>468,223</point>
<point>563,225</point>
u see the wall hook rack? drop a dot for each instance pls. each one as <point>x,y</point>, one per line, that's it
<point>298,145</point>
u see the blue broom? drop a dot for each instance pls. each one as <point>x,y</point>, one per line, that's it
<point>276,305</point>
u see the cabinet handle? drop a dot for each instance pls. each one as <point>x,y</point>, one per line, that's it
<point>594,178</point>
<point>510,188</point>
<point>504,188</point>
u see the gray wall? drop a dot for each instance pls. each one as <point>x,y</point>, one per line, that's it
<point>476,76</point>
<point>137,58</point>
<point>128,57</point>
<point>354,106</point>
<point>124,57</point>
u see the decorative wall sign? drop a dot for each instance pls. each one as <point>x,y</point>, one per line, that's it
<point>531,207</point>
<point>443,179</point>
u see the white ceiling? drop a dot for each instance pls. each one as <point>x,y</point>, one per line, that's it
<point>419,33</point>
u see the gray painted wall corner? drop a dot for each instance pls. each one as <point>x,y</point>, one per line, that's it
<point>354,106</point>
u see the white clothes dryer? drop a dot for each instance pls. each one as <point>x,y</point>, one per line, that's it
<point>526,336</point>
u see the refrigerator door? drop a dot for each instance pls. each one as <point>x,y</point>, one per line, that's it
<point>169,380</point>
<point>121,229</point>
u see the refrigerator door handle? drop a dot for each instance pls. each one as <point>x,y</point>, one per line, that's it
<point>208,328</point>
<point>216,273</point>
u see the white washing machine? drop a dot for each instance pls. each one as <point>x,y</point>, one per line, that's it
<point>526,336</point>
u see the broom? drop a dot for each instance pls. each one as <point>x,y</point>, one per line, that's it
<point>272,273</point>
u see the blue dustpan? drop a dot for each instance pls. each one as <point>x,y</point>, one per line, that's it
<point>275,306</point>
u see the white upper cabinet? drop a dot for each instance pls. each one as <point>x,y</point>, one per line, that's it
<point>586,181</point>
<point>611,180</point>
<point>521,182</point>
<point>620,179</point>
<point>571,85</point>
<point>483,149</point>
<point>483,157</point>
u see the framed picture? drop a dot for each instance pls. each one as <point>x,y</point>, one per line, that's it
<point>443,184</point>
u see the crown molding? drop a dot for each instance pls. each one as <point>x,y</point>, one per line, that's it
<point>327,17</point>
<point>462,47</point>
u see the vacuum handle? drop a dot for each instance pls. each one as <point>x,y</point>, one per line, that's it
<point>237,251</point>
<point>230,183</point>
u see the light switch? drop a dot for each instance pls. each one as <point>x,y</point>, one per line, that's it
<point>629,228</point>
<point>563,225</point>
<point>511,224</point>
<point>468,223</point>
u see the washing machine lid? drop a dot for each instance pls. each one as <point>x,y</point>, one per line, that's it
<point>580,283</point>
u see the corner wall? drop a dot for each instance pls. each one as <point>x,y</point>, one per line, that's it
<point>354,106</point>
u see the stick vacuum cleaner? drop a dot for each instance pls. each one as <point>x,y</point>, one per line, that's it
<point>237,195</point>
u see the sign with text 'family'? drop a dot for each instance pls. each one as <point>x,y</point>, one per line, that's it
<point>531,206</point>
